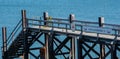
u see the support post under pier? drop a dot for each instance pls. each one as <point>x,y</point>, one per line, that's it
<point>102,51</point>
<point>4,37</point>
<point>73,47</point>
<point>113,51</point>
<point>24,27</point>
<point>79,46</point>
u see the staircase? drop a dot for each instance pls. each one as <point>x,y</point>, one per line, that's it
<point>16,49</point>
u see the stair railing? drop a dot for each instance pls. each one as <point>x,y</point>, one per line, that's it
<point>14,33</point>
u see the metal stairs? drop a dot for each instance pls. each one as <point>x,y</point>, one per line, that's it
<point>16,48</point>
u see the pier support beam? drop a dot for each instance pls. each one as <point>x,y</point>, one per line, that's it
<point>24,27</point>
<point>71,18</point>
<point>113,51</point>
<point>102,51</point>
<point>49,54</point>
<point>73,47</point>
<point>45,15</point>
<point>79,44</point>
<point>48,41</point>
<point>51,47</point>
<point>4,37</point>
<point>46,46</point>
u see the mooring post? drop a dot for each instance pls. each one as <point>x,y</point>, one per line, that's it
<point>72,24</point>
<point>101,21</point>
<point>4,37</point>
<point>45,15</point>
<point>24,27</point>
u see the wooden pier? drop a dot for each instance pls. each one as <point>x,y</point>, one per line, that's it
<point>80,39</point>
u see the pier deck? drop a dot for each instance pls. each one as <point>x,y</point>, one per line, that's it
<point>80,37</point>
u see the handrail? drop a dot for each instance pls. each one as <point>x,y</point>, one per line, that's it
<point>89,22</point>
<point>113,27</point>
<point>14,31</point>
<point>67,25</point>
<point>60,19</point>
<point>86,22</point>
<point>52,22</point>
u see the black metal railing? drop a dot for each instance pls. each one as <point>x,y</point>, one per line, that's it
<point>110,29</point>
<point>14,33</point>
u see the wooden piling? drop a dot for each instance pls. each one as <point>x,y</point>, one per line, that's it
<point>71,18</point>
<point>45,16</point>
<point>4,37</point>
<point>73,47</point>
<point>24,20</point>
<point>24,27</point>
<point>113,51</point>
<point>102,51</point>
<point>79,48</point>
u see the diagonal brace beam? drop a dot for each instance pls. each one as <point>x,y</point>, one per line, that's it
<point>62,44</point>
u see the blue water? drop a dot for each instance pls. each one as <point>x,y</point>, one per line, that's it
<point>88,10</point>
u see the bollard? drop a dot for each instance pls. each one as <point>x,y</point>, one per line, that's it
<point>101,21</point>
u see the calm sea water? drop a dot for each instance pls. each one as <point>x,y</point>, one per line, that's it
<point>88,10</point>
